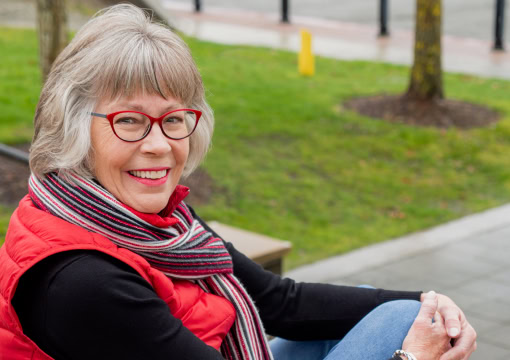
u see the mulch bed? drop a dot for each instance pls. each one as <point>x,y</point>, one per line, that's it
<point>14,179</point>
<point>443,113</point>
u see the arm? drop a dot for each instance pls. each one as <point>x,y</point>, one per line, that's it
<point>92,306</point>
<point>306,311</point>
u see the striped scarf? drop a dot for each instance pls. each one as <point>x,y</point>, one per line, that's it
<point>173,242</point>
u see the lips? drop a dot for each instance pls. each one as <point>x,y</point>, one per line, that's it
<point>150,177</point>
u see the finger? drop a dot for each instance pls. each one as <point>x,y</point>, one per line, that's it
<point>474,349</point>
<point>447,346</point>
<point>455,353</point>
<point>464,346</point>
<point>438,319</point>
<point>428,306</point>
<point>467,340</point>
<point>451,315</point>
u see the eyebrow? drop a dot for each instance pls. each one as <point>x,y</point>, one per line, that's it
<point>141,108</point>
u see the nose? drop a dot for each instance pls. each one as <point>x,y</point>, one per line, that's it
<point>156,142</point>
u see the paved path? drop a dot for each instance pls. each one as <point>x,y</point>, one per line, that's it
<point>22,13</point>
<point>344,30</point>
<point>467,259</point>
<point>333,38</point>
<point>461,18</point>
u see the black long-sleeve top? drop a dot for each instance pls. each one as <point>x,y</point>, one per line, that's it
<point>85,304</point>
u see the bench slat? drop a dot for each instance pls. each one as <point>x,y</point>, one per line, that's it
<point>262,249</point>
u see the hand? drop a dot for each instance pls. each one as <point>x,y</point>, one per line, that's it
<point>427,340</point>
<point>458,328</point>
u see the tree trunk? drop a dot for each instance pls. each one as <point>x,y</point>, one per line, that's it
<point>426,75</point>
<point>52,26</point>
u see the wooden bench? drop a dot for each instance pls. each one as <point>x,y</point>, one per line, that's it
<point>262,249</point>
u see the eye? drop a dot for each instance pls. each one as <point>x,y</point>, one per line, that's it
<point>129,119</point>
<point>173,119</point>
<point>125,120</point>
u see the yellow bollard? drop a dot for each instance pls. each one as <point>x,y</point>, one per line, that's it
<point>306,64</point>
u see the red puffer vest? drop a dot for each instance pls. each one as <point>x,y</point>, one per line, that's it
<point>34,235</point>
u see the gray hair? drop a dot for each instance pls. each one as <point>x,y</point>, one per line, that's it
<point>118,53</point>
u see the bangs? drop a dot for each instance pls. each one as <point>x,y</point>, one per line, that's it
<point>145,65</point>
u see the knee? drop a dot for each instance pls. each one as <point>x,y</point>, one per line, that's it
<point>400,310</point>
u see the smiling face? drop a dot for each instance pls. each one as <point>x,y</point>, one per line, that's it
<point>140,174</point>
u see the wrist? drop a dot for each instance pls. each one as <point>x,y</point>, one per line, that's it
<point>405,355</point>
<point>398,357</point>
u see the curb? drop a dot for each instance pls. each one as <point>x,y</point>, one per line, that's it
<point>336,267</point>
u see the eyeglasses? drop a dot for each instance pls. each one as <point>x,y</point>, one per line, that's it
<point>133,126</point>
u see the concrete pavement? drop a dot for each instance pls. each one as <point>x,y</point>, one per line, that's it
<point>22,13</point>
<point>331,38</point>
<point>343,30</point>
<point>467,259</point>
<point>461,18</point>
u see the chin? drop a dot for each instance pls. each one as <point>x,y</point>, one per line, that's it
<point>149,203</point>
<point>149,207</point>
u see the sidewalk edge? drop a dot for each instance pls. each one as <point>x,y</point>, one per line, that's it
<point>403,247</point>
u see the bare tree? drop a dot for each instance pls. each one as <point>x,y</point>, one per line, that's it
<point>424,103</point>
<point>426,75</point>
<point>53,34</point>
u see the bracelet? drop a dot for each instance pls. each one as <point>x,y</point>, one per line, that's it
<point>408,355</point>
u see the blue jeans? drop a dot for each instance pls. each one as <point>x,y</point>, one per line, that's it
<point>375,337</point>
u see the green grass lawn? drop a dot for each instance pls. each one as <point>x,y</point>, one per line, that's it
<point>19,84</point>
<point>5,214</point>
<point>292,163</point>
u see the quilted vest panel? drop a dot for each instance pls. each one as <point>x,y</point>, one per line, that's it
<point>34,235</point>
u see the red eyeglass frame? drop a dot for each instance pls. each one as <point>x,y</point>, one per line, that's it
<point>159,120</point>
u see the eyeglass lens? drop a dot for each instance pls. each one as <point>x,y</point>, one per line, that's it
<point>133,126</point>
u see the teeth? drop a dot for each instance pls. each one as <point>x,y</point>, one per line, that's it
<point>148,174</point>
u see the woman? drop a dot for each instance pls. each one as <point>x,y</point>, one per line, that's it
<point>104,260</point>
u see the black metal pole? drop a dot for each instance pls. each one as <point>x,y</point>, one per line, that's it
<point>499,25</point>
<point>285,11</point>
<point>383,18</point>
<point>198,5</point>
